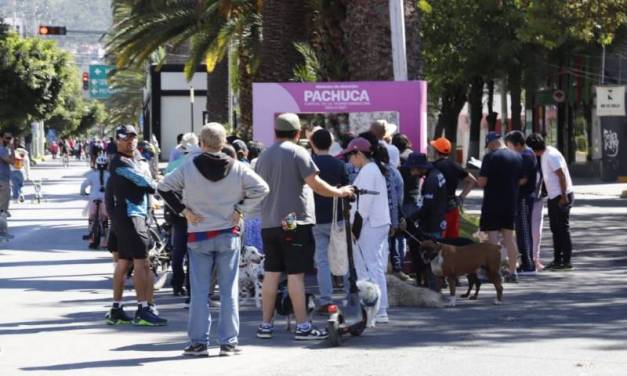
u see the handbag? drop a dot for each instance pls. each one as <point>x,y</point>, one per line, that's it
<point>338,249</point>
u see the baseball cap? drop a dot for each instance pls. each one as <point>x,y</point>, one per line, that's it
<point>417,160</point>
<point>239,145</point>
<point>491,136</point>
<point>357,144</point>
<point>442,145</point>
<point>125,130</point>
<point>287,122</point>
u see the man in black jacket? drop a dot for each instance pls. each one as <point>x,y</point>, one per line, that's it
<point>428,216</point>
<point>127,199</point>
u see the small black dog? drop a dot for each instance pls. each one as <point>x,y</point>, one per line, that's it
<point>283,304</point>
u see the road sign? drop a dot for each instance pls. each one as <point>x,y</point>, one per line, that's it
<point>610,100</point>
<point>98,85</point>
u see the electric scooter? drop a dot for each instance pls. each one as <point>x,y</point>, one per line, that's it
<point>352,318</point>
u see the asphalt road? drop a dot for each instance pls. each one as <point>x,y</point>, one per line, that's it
<point>55,292</point>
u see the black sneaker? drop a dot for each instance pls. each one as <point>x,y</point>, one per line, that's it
<point>553,265</point>
<point>117,316</point>
<point>230,350</point>
<point>511,278</point>
<point>145,317</point>
<point>264,332</point>
<point>312,334</point>
<point>179,291</point>
<point>196,349</point>
<point>562,268</point>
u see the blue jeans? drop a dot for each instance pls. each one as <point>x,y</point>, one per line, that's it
<point>397,251</point>
<point>17,182</point>
<point>223,253</point>
<point>322,235</point>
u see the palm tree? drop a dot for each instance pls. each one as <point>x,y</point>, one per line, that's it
<point>284,22</point>
<point>210,27</point>
<point>143,26</point>
<point>368,40</point>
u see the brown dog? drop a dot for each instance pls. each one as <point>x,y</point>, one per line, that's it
<point>451,262</point>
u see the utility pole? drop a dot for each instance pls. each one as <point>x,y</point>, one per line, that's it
<point>397,29</point>
<point>191,103</point>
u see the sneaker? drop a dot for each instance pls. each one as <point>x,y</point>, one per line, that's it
<point>382,318</point>
<point>145,317</point>
<point>521,271</point>
<point>153,308</point>
<point>312,334</point>
<point>511,278</point>
<point>264,331</point>
<point>196,349</point>
<point>117,316</point>
<point>179,291</point>
<point>230,350</point>
<point>553,265</point>
<point>402,276</point>
<point>562,268</point>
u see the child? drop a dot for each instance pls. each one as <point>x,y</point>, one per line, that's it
<point>96,180</point>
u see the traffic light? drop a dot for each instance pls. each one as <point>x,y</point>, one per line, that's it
<point>52,30</point>
<point>85,81</point>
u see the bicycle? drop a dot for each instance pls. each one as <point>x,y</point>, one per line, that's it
<point>97,229</point>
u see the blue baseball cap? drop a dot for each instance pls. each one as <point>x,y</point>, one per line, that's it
<point>491,136</point>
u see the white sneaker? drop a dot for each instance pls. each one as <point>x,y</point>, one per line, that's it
<point>382,318</point>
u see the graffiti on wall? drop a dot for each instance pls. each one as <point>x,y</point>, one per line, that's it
<point>610,143</point>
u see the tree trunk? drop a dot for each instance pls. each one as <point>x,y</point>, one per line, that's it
<point>476,114</point>
<point>515,89</point>
<point>413,41</point>
<point>245,129</point>
<point>491,118</point>
<point>283,24</point>
<point>218,93</point>
<point>368,40</point>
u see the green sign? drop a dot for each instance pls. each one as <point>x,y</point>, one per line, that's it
<point>98,85</point>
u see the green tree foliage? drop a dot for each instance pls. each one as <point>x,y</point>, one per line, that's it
<point>552,23</point>
<point>126,101</point>
<point>35,77</point>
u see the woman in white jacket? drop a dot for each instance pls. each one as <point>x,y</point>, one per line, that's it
<point>371,248</point>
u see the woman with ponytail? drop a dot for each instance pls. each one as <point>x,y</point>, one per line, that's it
<point>372,210</point>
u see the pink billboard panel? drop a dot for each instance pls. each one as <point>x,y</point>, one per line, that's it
<point>407,98</point>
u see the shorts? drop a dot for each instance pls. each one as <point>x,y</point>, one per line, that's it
<point>129,237</point>
<point>291,252</point>
<point>498,220</point>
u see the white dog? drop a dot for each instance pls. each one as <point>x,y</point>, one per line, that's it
<point>251,274</point>
<point>370,295</point>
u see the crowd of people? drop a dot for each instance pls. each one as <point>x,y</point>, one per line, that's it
<point>222,193</point>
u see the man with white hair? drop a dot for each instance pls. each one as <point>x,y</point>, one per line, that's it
<point>382,129</point>
<point>217,191</point>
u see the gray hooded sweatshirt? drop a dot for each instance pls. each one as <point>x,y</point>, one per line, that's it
<point>213,185</point>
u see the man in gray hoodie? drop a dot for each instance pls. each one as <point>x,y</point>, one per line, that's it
<point>217,191</point>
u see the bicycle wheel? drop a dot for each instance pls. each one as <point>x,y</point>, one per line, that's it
<point>94,238</point>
